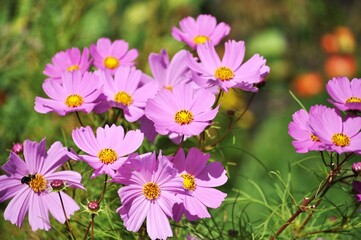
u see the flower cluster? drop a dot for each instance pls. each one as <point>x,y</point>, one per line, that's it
<point>179,101</point>
<point>334,130</point>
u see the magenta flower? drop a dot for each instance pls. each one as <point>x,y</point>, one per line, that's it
<point>356,185</point>
<point>230,72</point>
<point>28,183</point>
<point>300,130</point>
<point>199,180</point>
<point>126,91</point>
<point>149,190</point>
<point>108,150</point>
<point>110,55</point>
<point>167,73</point>
<point>195,32</point>
<point>345,95</point>
<point>337,134</point>
<point>73,93</point>
<point>68,61</point>
<point>183,110</point>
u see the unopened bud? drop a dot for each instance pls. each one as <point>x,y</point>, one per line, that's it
<point>17,148</point>
<point>93,206</point>
<point>356,167</point>
<point>57,184</point>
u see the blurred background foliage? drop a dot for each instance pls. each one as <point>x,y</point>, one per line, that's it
<point>305,43</point>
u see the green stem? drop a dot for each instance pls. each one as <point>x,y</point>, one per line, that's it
<point>104,189</point>
<point>79,120</point>
<point>66,218</point>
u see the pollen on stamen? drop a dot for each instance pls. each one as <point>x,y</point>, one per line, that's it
<point>189,181</point>
<point>224,73</point>
<point>353,100</point>
<point>73,68</point>
<point>200,39</point>
<point>111,62</point>
<point>38,183</point>
<point>183,117</point>
<point>74,100</point>
<point>341,140</point>
<point>151,190</point>
<point>314,138</point>
<point>107,156</point>
<point>123,98</point>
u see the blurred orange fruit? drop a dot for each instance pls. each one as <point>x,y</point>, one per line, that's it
<point>341,40</point>
<point>308,84</point>
<point>329,43</point>
<point>340,65</point>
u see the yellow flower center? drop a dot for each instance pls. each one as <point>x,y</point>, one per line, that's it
<point>314,138</point>
<point>123,98</point>
<point>354,100</point>
<point>111,62</point>
<point>200,39</point>
<point>169,87</point>
<point>74,100</point>
<point>183,117</point>
<point>38,183</point>
<point>224,73</point>
<point>341,140</point>
<point>151,190</point>
<point>73,68</point>
<point>189,181</point>
<point>107,156</point>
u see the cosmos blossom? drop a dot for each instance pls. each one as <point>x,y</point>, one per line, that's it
<point>109,149</point>
<point>168,73</point>
<point>149,192</point>
<point>199,180</point>
<point>28,182</point>
<point>110,55</point>
<point>338,134</point>
<point>126,91</point>
<point>345,94</point>
<point>230,71</point>
<point>67,61</point>
<point>300,130</point>
<point>73,93</point>
<point>195,32</point>
<point>183,111</point>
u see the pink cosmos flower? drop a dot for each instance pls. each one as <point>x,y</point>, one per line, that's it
<point>167,73</point>
<point>74,92</point>
<point>199,180</point>
<point>108,150</point>
<point>28,183</point>
<point>183,110</point>
<point>337,134</point>
<point>300,130</point>
<point>195,32</point>
<point>149,190</point>
<point>110,55</point>
<point>67,61</point>
<point>345,94</point>
<point>230,72</point>
<point>126,91</point>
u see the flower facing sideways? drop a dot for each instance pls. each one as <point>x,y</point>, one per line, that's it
<point>28,183</point>
<point>199,180</point>
<point>67,61</point>
<point>108,150</point>
<point>345,94</point>
<point>195,32</point>
<point>149,192</point>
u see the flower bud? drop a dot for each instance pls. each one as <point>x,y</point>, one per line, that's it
<point>17,148</point>
<point>57,185</point>
<point>93,206</point>
<point>356,167</point>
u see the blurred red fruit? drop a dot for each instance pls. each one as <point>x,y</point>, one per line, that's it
<point>340,65</point>
<point>308,84</point>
